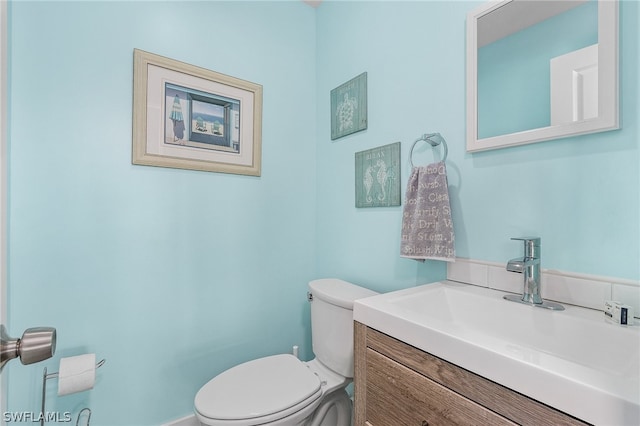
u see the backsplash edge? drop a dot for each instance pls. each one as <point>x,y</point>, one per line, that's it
<point>562,286</point>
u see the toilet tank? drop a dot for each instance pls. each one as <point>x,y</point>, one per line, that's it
<point>332,322</point>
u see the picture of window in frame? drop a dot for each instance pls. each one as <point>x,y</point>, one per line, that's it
<point>193,118</point>
<point>201,120</point>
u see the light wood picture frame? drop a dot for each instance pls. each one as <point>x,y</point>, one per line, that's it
<point>188,117</point>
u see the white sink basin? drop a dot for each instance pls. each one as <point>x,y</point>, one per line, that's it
<point>574,360</point>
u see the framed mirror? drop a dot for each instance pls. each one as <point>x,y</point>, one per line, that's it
<point>539,70</point>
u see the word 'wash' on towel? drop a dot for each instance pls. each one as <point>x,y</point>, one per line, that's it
<point>427,228</point>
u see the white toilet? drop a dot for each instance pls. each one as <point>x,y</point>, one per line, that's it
<point>281,389</point>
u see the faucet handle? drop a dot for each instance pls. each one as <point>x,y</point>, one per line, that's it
<point>535,240</point>
<point>531,246</point>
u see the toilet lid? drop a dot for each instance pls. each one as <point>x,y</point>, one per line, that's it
<point>258,388</point>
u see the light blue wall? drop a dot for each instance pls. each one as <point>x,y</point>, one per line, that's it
<point>580,195</point>
<point>171,275</point>
<point>110,254</point>
<point>413,88</point>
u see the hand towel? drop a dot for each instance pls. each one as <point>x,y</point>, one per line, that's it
<point>427,229</point>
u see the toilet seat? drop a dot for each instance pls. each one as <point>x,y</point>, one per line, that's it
<point>272,388</point>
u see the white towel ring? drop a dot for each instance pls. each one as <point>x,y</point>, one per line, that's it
<point>427,137</point>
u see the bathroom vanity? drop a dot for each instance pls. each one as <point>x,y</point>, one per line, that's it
<point>451,353</point>
<point>396,383</point>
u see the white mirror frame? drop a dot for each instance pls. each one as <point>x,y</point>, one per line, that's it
<point>607,85</point>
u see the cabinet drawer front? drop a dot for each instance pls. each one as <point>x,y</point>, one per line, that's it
<point>397,395</point>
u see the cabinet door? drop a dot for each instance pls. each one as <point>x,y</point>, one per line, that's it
<point>397,395</point>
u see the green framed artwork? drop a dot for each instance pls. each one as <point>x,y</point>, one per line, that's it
<point>349,107</point>
<point>378,176</point>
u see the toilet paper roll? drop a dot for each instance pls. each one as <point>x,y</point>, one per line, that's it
<point>76,374</point>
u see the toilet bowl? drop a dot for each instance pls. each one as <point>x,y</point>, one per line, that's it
<point>283,390</point>
<point>275,390</point>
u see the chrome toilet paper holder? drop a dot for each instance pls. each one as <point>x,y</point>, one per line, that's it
<point>48,376</point>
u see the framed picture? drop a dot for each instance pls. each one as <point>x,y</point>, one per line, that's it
<point>349,107</point>
<point>188,117</point>
<point>378,176</point>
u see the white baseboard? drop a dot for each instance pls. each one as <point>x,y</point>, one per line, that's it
<point>184,421</point>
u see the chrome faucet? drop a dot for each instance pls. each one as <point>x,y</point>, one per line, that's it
<point>529,266</point>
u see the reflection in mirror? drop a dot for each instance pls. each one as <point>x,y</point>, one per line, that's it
<point>514,78</point>
<point>540,70</point>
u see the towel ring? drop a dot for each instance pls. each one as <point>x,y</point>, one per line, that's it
<point>427,138</point>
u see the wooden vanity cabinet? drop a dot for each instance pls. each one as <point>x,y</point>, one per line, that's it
<point>398,384</point>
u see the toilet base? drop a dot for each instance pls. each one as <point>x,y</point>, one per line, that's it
<point>334,410</point>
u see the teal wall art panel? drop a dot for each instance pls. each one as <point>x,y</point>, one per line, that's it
<point>378,176</point>
<point>349,107</point>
